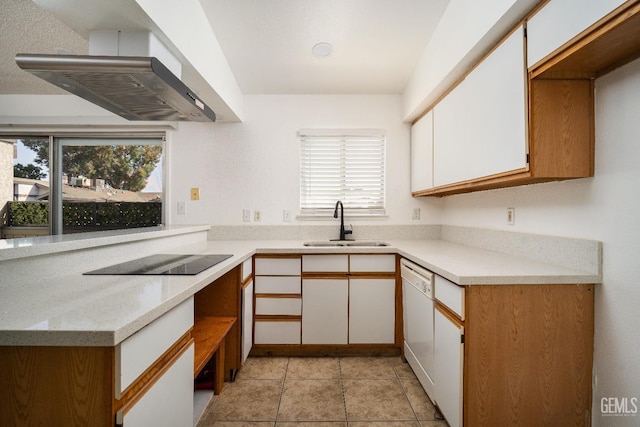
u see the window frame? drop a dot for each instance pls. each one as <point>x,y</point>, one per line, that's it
<point>347,139</point>
<point>55,159</point>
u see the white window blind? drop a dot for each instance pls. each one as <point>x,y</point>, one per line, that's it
<point>344,165</point>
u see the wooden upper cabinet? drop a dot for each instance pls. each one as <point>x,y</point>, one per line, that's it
<point>560,99</point>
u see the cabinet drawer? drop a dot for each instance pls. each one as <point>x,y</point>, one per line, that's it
<point>247,269</point>
<point>277,332</point>
<point>277,266</point>
<point>282,306</point>
<point>277,284</point>
<point>135,354</point>
<point>372,263</point>
<point>325,263</point>
<point>450,295</point>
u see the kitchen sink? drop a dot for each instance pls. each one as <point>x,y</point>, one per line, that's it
<point>330,243</point>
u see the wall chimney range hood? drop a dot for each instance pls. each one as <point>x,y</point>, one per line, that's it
<point>133,87</point>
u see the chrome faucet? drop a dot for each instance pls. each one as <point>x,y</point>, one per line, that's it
<point>343,232</point>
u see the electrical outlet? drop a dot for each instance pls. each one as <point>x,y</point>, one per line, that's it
<point>416,214</point>
<point>246,215</point>
<point>195,194</point>
<point>511,216</point>
<point>286,215</point>
<point>257,215</point>
<point>182,208</point>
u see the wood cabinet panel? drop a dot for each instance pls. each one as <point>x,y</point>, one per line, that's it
<point>528,355</point>
<point>56,386</point>
<point>562,128</point>
<point>222,298</point>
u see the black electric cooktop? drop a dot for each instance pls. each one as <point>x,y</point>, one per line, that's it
<point>162,264</point>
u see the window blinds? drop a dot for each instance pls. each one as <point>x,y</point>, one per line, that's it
<point>342,165</point>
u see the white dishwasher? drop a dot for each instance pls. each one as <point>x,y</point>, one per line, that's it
<point>417,298</point>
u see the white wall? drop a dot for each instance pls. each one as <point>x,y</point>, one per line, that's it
<point>606,208</point>
<point>254,164</point>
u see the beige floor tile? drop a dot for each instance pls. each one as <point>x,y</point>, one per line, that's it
<point>376,400</point>
<point>236,424</point>
<point>367,368</point>
<point>264,368</point>
<point>311,423</point>
<point>312,400</point>
<point>434,424</point>
<point>384,424</point>
<point>246,400</point>
<point>313,368</point>
<point>403,370</point>
<point>418,399</point>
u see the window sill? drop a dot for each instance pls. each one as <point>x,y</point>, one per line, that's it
<point>319,217</point>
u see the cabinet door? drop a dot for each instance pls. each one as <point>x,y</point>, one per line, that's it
<point>561,20</point>
<point>169,402</point>
<point>479,129</point>
<point>422,153</point>
<point>325,311</point>
<point>448,361</point>
<point>372,311</point>
<point>247,320</point>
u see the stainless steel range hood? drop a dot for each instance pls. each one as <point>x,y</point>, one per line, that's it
<point>136,88</point>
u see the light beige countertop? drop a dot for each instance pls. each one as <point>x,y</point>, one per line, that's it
<point>66,308</point>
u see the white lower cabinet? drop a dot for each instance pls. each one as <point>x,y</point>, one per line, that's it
<point>247,320</point>
<point>169,402</point>
<point>448,366</point>
<point>325,311</point>
<point>372,311</point>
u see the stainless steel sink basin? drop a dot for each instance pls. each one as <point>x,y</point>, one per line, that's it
<point>330,243</point>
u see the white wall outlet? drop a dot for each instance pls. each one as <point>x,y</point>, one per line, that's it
<point>286,215</point>
<point>416,214</point>
<point>511,216</point>
<point>246,215</point>
<point>257,215</point>
<point>182,208</point>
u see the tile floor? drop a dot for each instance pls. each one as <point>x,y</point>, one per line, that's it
<point>322,392</point>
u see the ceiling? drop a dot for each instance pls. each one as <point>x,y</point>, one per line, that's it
<point>267,43</point>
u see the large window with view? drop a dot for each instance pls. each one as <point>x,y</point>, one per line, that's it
<point>71,184</point>
<point>345,165</point>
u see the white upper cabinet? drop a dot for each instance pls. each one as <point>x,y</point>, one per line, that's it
<point>422,153</point>
<point>561,20</point>
<point>480,129</point>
